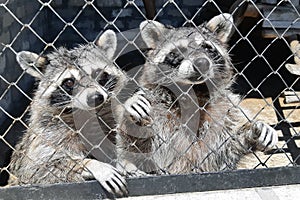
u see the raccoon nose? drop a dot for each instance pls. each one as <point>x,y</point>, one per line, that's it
<point>202,65</point>
<point>95,100</point>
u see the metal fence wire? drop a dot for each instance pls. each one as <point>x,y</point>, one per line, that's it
<point>146,98</point>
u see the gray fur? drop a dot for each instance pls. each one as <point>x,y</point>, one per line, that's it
<point>52,150</point>
<point>196,124</point>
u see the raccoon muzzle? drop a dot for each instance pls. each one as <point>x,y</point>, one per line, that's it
<point>95,100</point>
<point>202,65</point>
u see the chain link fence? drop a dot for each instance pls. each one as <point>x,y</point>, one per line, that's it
<point>263,48</point>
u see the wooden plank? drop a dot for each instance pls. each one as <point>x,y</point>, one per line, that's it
<point>270,33</point>
<point>291,93</point>
<point>291,99</point>
<point>291,96</point>
<point>280,18</point>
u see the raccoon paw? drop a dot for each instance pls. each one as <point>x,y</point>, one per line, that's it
<point>129,169</point>
<point>108,176</point>
<point>266,136</point>
<point>139,109</point>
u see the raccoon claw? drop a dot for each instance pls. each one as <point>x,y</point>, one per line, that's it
<point>130,170</point>
<point>137,173</point>
<point>108,176</point>
<point>139,109</point>
<point>267,137</point>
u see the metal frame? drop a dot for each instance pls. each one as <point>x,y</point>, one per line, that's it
<point>159,185</point>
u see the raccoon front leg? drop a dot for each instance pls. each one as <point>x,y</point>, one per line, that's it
<point>106,175</point>
<point>134,130</point>
<point>138,108</point>
<point>265,137</point>
<point>259,135</point>
<point>132,150</point>
<point>128,168</point>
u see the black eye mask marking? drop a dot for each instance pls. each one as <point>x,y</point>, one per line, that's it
<point>68,85</point>
<point>59,97</point>
<point>174,59</point>
<point>213,53</point>
<point>109,82</point>
<point>103,78</point>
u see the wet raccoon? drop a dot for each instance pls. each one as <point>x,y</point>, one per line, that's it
<point>194,123</point>
<point>70,81</point>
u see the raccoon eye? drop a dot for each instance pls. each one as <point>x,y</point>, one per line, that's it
<point>213,52</point>
<point>104,78</point>
<point>208,46</point>
<point>173,59</point>
<point>69,83</point>
<point>172,55</point>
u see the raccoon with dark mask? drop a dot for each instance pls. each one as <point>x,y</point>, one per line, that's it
<point>51,151</point>
<point>194,122</point>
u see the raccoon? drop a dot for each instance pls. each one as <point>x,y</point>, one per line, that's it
<point>70,81</point>
<point>188,120</point>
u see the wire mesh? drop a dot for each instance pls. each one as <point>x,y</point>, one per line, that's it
<point>260,48</point>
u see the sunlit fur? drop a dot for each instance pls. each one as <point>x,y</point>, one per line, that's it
<point>197,123</point>
<point>51,150</point>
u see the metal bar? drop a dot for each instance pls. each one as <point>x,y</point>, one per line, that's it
<point>158,185</point>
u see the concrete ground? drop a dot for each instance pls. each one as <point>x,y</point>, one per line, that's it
<point>288,192</point>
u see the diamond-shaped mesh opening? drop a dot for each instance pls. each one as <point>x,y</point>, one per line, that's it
<point>133,100</point>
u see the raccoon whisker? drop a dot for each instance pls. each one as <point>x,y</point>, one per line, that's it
<point>63,103</point>
<point>108,84</point>
<point>218,65</point>
<point>111,83</point>
<point>217,59</point>
<point>165,73</point>
<point>110,80</point>
<point>111,87</point>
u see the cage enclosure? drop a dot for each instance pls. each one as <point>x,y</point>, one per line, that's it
<point>262,45</point>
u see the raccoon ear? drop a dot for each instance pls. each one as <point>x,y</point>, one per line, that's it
<point>108,43</point>
<point>32,63</point>
<point>221,25</point>
<point>151,32</point>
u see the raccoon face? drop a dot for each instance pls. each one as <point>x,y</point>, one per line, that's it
<point>77,89</point>
<point>188,55</point>
<point>84,77</point>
